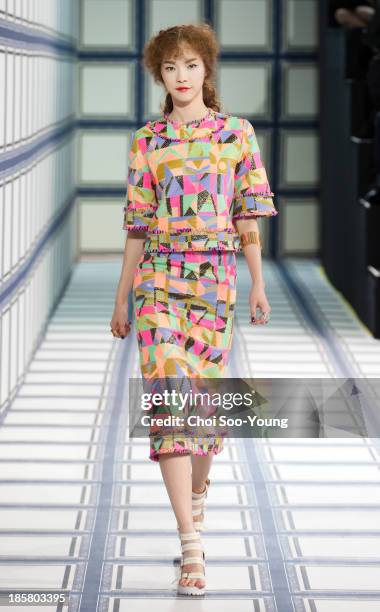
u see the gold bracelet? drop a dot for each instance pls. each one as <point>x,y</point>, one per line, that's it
<point>250,238</point>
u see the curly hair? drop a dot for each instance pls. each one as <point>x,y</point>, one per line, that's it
<point>167,43</point>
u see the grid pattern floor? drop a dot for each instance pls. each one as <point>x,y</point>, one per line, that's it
<point>291,524</point>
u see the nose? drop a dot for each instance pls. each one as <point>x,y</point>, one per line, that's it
<point>180,78</point>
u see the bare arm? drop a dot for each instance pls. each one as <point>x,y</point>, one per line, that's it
<point>252,253</point>
<point>134,246</point>
<point>133,250</point>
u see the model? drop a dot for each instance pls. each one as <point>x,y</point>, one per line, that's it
<point>195,185</point>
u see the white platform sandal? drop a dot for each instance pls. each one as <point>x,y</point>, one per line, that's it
<point>191,541</point>
<point>198,500</point>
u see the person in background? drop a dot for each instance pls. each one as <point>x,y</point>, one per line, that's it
<point>351,13</point>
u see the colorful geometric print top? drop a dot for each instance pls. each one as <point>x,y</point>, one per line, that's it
<point>189,182</point>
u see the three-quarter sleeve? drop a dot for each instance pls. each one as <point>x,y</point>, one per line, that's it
<point>140,198</point>
<point>252,193</point>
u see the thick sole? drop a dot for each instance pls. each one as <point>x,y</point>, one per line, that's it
<point>191,590</point>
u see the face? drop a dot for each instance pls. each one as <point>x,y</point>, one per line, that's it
<point>186,71</point>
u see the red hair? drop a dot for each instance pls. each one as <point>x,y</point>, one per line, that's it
<point>168,43</point>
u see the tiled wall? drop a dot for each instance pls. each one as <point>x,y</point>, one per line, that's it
<point>37,178</point>
<point>267,73</point>
<point>64,56</point>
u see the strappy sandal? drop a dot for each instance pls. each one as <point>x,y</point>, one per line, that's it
<point>197,506</point>
<point>191,541</point>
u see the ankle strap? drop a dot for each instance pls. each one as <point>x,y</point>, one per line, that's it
<point>201,495</point>
<point>191,535</point>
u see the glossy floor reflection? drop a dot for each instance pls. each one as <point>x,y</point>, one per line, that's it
<point>291,524</point>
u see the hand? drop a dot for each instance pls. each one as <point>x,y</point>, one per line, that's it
<point>258,299</point>
<point>120,325</point>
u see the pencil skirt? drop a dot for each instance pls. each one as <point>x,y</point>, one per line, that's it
<point>184,306</point>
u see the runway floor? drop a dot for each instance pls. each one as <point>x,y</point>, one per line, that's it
<point>291,524</point>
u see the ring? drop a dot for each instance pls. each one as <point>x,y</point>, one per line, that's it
<point>264,315</point>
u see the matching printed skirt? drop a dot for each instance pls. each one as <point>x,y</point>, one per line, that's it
<point>184,307</point>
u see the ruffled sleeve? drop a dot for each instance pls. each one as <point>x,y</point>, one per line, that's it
<point>140,198</point>
<point>252,193</point>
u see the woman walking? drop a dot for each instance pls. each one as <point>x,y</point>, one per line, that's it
<point>195,185</point>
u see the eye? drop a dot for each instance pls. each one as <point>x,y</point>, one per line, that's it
<point>170,68</point>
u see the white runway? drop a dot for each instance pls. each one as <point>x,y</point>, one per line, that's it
<point>291,524</point>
